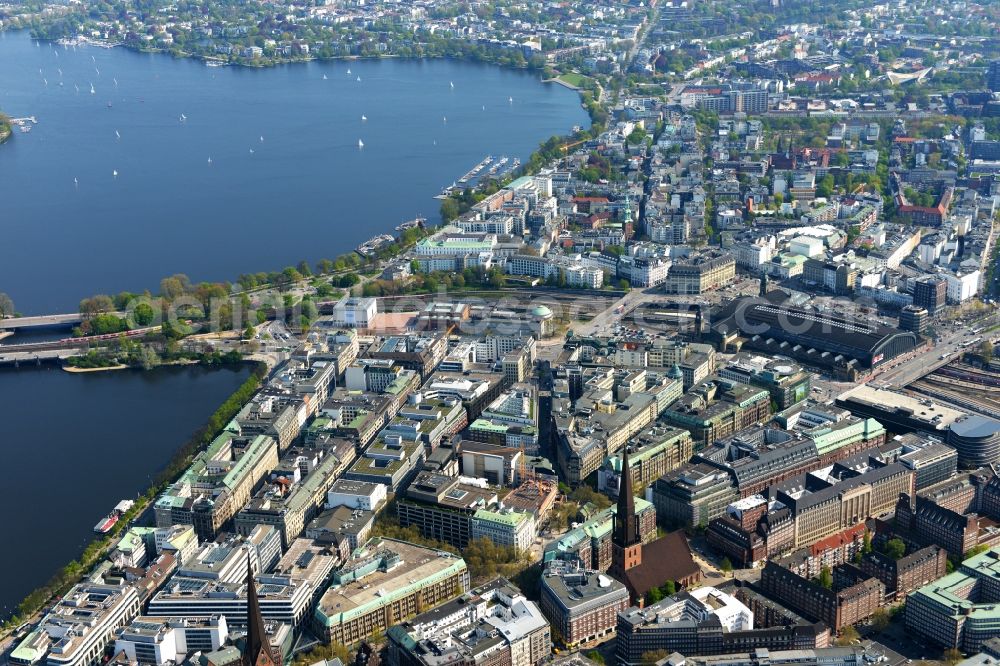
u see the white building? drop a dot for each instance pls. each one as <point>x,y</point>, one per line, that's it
<point>181,541</point>
<point>355,312</point>
<point>806,246</point>
<point>962,286</point>
<point>732,612</point>
<point>504,527</point>
<point>152,640</point>
<point>79,626</point>
<point>752,255</point>
<point>355,495</point>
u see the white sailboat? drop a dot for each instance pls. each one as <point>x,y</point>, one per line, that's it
<point>510,100</point>
<point>361,144</point>
<point>209,161</point>
<point>251,151</point>
<point>452,84</point>
<point>115,173</point>
<point>359,79</point>
<point>364,117</point>
<point>444,119</point>
<point>92,91</point>
<point>76,182</point>
<point>348,70</point>
<point>115,80</point>
<point>262,139</point>
<point>324,77</point>
<point>117,135</point>
<point>182,118</point>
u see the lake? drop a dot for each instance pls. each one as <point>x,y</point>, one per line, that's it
<point>73,445</point>
<point>227,170</point>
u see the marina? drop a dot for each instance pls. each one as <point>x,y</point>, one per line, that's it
<point>493,169</point>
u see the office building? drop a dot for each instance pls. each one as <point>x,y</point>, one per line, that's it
<point>962,609</point>
<point>492,624</point>
<point>383,582</point>
<point>582,604</point>
<point>80,625</point>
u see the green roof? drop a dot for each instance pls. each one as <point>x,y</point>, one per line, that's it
<point>26,650</point>
<point>511,519</point>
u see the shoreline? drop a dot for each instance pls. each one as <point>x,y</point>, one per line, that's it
<point>564,84</point>
<point>61,580</point>
<point>70,368</point>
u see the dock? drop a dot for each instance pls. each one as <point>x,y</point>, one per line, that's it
<point>474,171</point>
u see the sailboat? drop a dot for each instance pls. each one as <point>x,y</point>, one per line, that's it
<point>324,77</point>
<point>77,88</point>
<point>451,83</point>
<point>117,135</point>
<point>262,139</point>
<point>251,151</point>
<point>510,100</point>
<point>363,117</point>
<point>59,70</point>
<point>115,173</point>
<point>98,71</point>
<point>92,91</point>
<point>75,181</point>
<point>210,161</point>
<point>359,79</point>
<point>444,119</point>
<point>45,81</point>
<point>182,117</point>
<point>361,144</point>
<point>348,70</point>
<point>115,80</point>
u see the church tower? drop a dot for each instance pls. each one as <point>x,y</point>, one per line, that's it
<point>626,544</point>
<point>257,650</point>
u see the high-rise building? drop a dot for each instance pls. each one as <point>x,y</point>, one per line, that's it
<point>930,293</point>
<point>913,318</point>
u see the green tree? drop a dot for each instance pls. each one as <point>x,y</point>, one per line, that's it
<point>866,546</point>
<point>653,656</point>
<point>951,656</point>
<point>826,578</point>
<point>449,209</point>
<point>880,620</point>
<point>726,565</point>
<point>143,314</point>
<point>96,305</point>
<point>6,305</point>
<point>595,657</point>
<point>848,635</point>
<point>895,548</point>
<point>986,351</point>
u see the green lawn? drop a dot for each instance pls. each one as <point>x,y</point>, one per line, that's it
<point>574,79</point>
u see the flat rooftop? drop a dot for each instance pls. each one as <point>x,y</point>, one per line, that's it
<point>369,579</point>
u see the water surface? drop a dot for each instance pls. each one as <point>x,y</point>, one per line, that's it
<point>73,445</point>
<point>264,171</point>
